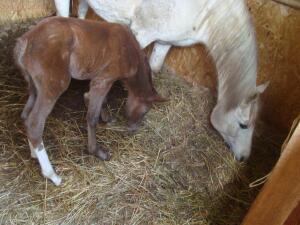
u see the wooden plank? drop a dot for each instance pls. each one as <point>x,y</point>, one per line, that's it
<point>279,198</point>
<point>294,217</point>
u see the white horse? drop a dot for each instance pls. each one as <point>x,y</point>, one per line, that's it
<point>224,27</point>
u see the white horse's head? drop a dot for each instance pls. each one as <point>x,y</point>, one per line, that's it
<point>237,124</point>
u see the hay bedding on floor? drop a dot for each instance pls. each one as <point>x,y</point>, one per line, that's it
<point>174,170</point>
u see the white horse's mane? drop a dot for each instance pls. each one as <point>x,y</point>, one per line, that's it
<point>232,44</point>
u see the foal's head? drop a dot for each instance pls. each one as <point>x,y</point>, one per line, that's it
<point>137,107</point>
<point>141,95</point>
<point>237,124</point>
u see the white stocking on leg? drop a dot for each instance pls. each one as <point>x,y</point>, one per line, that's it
<point>47,169</point>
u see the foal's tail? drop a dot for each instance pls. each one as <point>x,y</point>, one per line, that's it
<point>19,53</point>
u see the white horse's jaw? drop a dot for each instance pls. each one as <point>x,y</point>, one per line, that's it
<point>239,140</point>
<point>242,145</point>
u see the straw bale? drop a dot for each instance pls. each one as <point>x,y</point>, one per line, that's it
<point>20,10</point>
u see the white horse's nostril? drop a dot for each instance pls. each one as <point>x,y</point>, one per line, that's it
<point>242,159</point>
<point>228,145</point>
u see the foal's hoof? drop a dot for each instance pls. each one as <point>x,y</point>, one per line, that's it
<point>131,128</point>
<point>103,154</point>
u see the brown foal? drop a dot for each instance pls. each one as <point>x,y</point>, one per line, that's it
<point>58,49</point>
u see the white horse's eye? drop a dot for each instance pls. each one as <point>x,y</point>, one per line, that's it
<point>243,126</point>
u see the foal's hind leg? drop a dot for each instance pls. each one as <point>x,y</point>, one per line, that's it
<point>35,126</point>
<point>98,91</point>
<point>31,99</point>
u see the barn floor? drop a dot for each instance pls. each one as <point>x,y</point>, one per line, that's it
<point>174,170</point>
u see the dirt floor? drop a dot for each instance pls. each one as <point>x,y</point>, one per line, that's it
<point>174,170</point>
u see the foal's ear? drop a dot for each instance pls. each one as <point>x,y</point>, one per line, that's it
<point>261,88</point>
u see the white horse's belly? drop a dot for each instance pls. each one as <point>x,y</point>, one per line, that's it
<point>167,22</point>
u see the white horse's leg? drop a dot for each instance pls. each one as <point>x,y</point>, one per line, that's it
<point>82,9</point>
<point>62,7</point>
<point>47,169</point>
<point>158,56</point>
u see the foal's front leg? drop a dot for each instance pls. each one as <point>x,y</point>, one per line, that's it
<point>98,91</point>
<point>104,114</point>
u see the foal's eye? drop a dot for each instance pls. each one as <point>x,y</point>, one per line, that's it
<point>243,126</point>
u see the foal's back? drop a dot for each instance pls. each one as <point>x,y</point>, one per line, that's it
<point>81,49</point>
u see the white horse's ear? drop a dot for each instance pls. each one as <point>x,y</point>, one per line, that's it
<point>261,88</point>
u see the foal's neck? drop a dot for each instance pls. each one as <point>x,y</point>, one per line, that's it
<point>141,84</point>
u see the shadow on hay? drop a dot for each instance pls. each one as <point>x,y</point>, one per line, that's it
<point>237,196</point>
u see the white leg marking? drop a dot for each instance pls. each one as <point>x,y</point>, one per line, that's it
<point>47,169</point>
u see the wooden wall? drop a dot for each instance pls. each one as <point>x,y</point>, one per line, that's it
<point>278,34</point>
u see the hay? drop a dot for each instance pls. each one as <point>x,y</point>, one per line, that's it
<point>19,10</point>
<point>174,170</point>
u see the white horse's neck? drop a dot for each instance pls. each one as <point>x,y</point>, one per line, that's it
<point>232,44</point>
